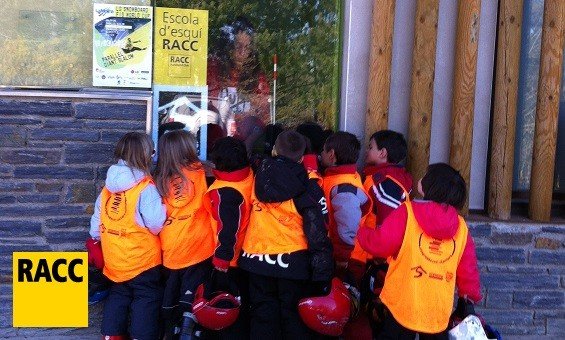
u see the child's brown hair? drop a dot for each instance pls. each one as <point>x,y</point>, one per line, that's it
<point>291,145</point>
<point>177,150</point>
<point>345,145</point>
<point>136,149</point>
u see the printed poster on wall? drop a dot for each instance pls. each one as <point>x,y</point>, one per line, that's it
<point>122,41</point>
<point>181,46</point>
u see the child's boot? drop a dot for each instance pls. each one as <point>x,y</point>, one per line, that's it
<point>188,329</point>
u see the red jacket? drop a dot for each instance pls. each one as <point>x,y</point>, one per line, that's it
<point>386,194</point>
<point>438,221</point>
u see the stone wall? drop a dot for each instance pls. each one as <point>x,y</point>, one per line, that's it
<point>53,160</point>
<point>523,277</point>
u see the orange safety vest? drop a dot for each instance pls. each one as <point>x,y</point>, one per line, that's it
<point>420,281</point>
<point>371,219</point>
<point>187,237</point>
<point>129,249</point>
<point>244,187</point>
<point>274,228</point>
<point>329,182</point>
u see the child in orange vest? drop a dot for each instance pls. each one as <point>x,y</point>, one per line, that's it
<point>286,249</point>
<point>187,238</point>
<point>348,202</point>
<point>348,205</point>
<point>388,184</point>
<point>431,251</point>
<point>128,216</point>
<point>228,200</point>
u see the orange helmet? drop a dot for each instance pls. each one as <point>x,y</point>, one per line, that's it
<point>327,314</point>
<point>217,313</point>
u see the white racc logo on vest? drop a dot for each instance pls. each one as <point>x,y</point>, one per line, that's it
<point>267,258</point>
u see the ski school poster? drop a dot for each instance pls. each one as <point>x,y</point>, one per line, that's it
<point>122,46</point>
<point>181,46</point>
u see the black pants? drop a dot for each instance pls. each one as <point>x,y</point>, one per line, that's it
<point>393,330</point>
<point>137,299</point>
<point>274,308</point>
<point>181,284</point>
<point>180,287</point>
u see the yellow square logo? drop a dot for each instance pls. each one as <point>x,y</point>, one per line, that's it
<point>50,289</point>
<point>180,66</point>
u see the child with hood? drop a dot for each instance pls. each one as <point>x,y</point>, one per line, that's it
<point>430,251</point>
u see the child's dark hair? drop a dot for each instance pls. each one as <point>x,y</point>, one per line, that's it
<point>291,145</point>
<point>393,142</point>
<point>443,184</point>
<point>345,145</point>
<point>229,154</point>
<point>315,133</point>
<point>167,127</point>
<point>326,134</point>
<point>271,133</point>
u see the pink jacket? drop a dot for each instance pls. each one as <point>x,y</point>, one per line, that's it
<point>438,221</point>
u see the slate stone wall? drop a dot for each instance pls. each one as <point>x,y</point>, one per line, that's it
<point>53,160</point>
<point>523,277</point>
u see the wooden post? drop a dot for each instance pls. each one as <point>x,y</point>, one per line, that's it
<point>464,88</point>
<point>505,106</point>
<point>422,93</point>
<point>379,66</point>
<point>547,110</point>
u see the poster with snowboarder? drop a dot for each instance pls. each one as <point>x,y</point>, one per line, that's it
<point>122,46</point>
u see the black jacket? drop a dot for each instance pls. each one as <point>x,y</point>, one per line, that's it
<point>227,209</point>
<point>280,179</point>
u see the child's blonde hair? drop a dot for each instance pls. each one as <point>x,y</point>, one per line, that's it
<point>177,150</point>
<point>136,149</point>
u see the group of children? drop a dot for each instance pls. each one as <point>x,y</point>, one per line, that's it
<point>279,231</point>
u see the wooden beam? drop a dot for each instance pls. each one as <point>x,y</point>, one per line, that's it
<point>464,88</point>
<point>422,92</point>
<point>505,106</point>
<point>547,110</point>
<point>379,66</point>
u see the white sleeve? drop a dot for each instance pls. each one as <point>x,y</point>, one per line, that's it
<point>151,209</point>
<point>347,214</point>
<point>95,220</point>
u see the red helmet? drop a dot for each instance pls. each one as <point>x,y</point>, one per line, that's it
<point>217,313</point>
<point>327,314</point>
<point>95,256</point>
